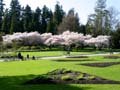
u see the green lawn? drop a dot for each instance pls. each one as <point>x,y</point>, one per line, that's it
<point>58,53</point>
<point>13,74</point>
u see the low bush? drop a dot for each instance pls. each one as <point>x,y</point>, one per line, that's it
<point>9,55</point>
<point>80,77</point>
<point>66,71</point>
<point>66,78</point>
<point>44,77</point>
<point>91,77</point>
<point>24,48</point>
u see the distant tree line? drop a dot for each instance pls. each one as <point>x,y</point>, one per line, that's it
<point>24,19</point>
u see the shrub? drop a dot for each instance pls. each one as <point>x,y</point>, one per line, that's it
<point>66,71</point>
<point>33,48</point>
<point>66,78</point>
<point>44,77</point>
<point>9,55</point>
<point>80,77</point>
<point>59,71</point>
<point>91,77</point>
<point>24,48</point>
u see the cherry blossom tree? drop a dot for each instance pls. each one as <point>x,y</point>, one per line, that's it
<point>67,39</point>
<point>98,42</point>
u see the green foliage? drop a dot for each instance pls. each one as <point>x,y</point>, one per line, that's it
<point>67,77</point>
<point>24,48</point>
<point>44,77</point>
<point>58,16</point>
<point>36,23</point>
<point>27,19</point>
<point>91,77</point>
<point>1,12</point>
<point>33,48</point>
<point>9,55</point>
<point>60,71</point>
<point>6,22</point>
<point>66,71</point>
<point>15,10</point>
<point>80,77</point>
<point>51,26</point>
<point>115,42</point>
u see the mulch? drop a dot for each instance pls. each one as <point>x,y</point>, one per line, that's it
<point>77,56</point>
<point>106,64</point>
<point>55,78</point>
<point>111,57</point>
<point>72,60</point>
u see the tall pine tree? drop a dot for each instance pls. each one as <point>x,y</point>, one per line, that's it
<point>1,12</point>
<point>36,21</point>
<point>46,14</point>
<point>58,16</point>
<point>27,18</point>
<point>6,22</point>
<point>15,10</point>
<point>51,25</point>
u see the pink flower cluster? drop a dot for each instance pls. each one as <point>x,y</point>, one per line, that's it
<point>66,38</point>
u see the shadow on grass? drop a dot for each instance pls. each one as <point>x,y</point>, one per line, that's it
<point>16,83</point>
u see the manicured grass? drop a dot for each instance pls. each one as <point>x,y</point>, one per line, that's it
<point>58,53</point>
<point>50,53</point>
<point>14,74</point>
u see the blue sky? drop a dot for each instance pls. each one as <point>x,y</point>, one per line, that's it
<point>82,7</point>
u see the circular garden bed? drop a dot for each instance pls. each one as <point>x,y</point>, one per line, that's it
<point>72,60</point>
<point>111,57</point>
<point>64,76</point>
<point>106,64</point>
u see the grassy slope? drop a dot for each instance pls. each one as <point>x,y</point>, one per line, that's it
<point>13,74</point>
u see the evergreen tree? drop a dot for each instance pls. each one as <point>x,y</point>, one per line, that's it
<point>50,25</point>
<point>36,21</point>
<point>1,12</point>
<point>58,16</point>
<point>6,22</point>
<point>15,10</point>
<point>27,18</point>
<point>115,37</point>
<point>82,29</point>
<point>46,15</point>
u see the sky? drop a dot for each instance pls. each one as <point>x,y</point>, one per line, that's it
<point>82,7</point>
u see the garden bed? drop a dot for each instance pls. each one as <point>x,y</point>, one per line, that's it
<point>64,76</point>
<point>77,56</point>
<point>106,64</point>
<point>111,57</point>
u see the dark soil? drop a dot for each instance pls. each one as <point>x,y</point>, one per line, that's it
<point>111,57</point>
<point>77,57</point>
<point>55,77</point>
<point>71,60</point>
<point>106,64</point>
